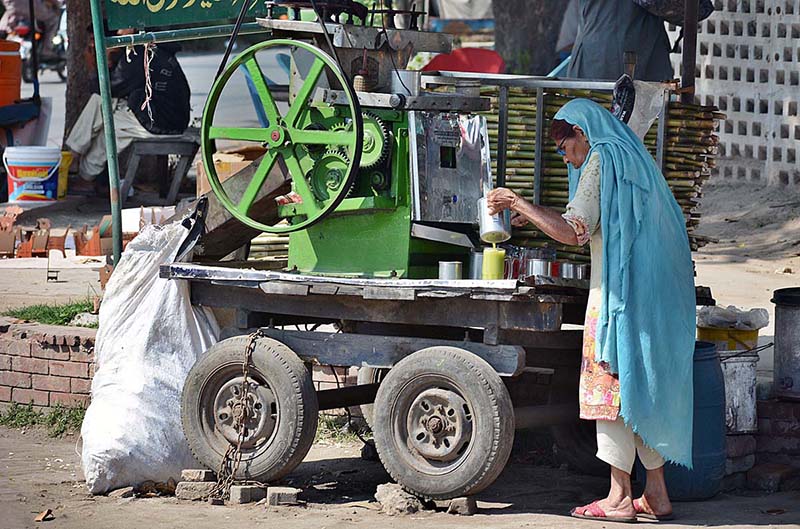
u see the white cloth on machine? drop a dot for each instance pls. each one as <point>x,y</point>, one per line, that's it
<point>149,338</point>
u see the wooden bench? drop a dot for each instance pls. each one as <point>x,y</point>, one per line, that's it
<point>185,147</point>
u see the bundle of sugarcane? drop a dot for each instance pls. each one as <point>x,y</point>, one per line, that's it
<point>270,247</point>
<point>689,155</point>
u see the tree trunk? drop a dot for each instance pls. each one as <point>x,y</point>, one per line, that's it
<point>526,33</point>
<point>79,80</point>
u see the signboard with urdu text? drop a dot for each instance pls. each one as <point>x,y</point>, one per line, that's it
<point>142,14</point>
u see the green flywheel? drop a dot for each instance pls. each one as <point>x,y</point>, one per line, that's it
<point>293,137</point>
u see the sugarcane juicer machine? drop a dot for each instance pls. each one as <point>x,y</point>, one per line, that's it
<point>382,173</point>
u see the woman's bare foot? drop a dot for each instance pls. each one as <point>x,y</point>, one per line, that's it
<point>655,499</point>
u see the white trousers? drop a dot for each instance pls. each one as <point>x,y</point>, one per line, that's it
<point>617,445</point>
<point>87,138</point>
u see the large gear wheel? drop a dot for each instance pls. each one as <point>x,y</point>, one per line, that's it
<point>329,174</point>
<point>376,141</point>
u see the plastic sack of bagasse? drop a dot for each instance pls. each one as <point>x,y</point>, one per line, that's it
<point>148,340</point>
<point>732,317</point>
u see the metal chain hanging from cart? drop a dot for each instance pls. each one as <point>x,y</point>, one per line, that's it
<point>226,473</point>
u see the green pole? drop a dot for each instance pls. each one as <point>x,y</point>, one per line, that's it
<point>108,126</point>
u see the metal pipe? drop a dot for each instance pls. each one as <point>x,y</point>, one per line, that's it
<point>689,55</point>
<point>345,397</point>
<point>183,34</point>
<point>108,126</point>
<point>544,415</point>
<point>502,136</point>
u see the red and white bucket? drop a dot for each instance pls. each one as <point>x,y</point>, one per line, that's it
<point>32,173</point>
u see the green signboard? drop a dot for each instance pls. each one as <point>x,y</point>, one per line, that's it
<point>142,14</point>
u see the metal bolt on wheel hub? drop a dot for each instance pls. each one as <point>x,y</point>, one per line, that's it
<point>439,424</point>
<point>257,412</point>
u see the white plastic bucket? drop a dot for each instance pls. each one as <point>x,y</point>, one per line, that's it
<point>739,371</point>
<point>32,173</point>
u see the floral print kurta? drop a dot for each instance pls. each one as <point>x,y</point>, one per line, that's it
<point>599,389</point>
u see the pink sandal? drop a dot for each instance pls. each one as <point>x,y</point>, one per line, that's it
<point>594,512</point>
<point>641,513</point>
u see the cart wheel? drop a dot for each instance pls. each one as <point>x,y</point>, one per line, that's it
<point>443,423</point>
<point>282,408</point>
<point>369,375</point>
<point>27,72</point>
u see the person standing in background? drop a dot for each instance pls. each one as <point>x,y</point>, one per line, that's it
<point>608,29</point>
<point>48,13</point>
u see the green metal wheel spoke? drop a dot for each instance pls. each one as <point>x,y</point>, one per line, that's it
<point>254,187</point>
<point>310,205</point>
<point>323,137</point>
<point>304,93</point>
<point>270,108</point>
<point>237,133</point>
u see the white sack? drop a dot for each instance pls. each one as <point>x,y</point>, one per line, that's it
<point>732,317</point>
<point>149,338</point>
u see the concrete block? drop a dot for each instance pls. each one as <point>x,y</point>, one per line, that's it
<point>198,474</point>
<point>247,493</point>
<point>769,476</point>
<point>736,465</point>
<point>734,482</point>
<point>740,445</point>
<point>282,495</point>
<point>194,490</point>
<point>463,506</point>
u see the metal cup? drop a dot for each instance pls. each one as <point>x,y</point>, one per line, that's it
<point>538,267</point>
<point>569,270</point>
<point>476,265</point>
<point>450,270</point>
<point>494,228</point>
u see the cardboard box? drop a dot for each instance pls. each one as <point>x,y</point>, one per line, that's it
<point>227,164</point>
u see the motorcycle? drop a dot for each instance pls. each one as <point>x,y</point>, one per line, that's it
<point>57,61</point>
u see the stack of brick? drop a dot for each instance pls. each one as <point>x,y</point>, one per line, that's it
<point>741,452</point>
<point>777,447</point>
<point>45,365</point>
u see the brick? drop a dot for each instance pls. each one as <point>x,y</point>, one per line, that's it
<point>15,380</point>
<point>740,445</point>
<point>463,506</point>
<point>81,385</point>
<point>247,493</point>
<point>780,410</point>
<point>194,490</point>
<point>69,369</point>
<point>778,444</point>
<point>30,365</point>
<point>26,396</point>
<point>769,476</point>
<point>198,474</point>
<point>92,368</point>
<point>79,354</point>
<point>15,347</point>
<point>50,352</point>
<point>282,495</point>
<point>51,383</point>
<point>786,428</point>
<point>737,465</point>
<point>5,394</point>
<point>734,482</point>
<point>5,363</point>
<point>70,400</point>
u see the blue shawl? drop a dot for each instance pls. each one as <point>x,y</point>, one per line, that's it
<point>646,328</point>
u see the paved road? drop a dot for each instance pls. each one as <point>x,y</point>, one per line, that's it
<point>200,70</point>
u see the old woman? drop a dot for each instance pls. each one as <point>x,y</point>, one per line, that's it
<point>636,374</point>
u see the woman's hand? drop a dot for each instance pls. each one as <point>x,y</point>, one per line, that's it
<point>500,199</point>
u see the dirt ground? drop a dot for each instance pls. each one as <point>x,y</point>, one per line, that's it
<point>38,473</point>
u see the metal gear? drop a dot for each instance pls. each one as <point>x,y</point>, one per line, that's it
<point>329,174</point>
<point>376,141</point>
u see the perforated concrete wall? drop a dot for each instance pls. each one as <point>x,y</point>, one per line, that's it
<point>748,64</point>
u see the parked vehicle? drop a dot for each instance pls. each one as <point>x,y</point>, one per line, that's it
<point>55,61</point>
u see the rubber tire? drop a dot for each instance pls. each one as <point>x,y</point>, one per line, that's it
<point>296,426</point>
<point>62,73</point>
<point>27,72</point>
<point>493,421</point>
<point>369,375</point>
<point>576,446</point>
